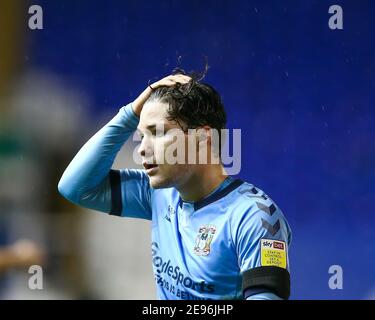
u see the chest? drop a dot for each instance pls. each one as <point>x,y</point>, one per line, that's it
<point>198,243</point>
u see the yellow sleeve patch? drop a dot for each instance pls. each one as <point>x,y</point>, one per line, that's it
<point>273,253</point>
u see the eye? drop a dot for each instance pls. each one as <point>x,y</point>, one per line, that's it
<point>159,133</point>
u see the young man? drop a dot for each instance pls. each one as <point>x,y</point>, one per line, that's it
<point>213,237</point>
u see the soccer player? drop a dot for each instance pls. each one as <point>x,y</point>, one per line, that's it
<point>213,236</point>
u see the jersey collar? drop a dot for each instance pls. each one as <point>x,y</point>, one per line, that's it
<point>215,196</point>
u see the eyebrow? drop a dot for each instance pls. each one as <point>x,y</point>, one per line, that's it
<point>149,127</point>
<point>152,127</point>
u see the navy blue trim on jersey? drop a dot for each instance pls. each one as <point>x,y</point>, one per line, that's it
<point>115,182</point>
<point>215,196</point>
<point>218,195</point>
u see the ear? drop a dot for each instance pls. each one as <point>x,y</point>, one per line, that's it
<point>201,136</point>
<point>204,133</point>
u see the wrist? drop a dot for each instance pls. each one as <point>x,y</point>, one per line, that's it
<point>138,103</point>
<point>136,109</point>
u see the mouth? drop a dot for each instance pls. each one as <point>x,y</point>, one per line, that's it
<point>150,168</point>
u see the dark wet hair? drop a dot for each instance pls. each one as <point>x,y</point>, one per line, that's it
<point>193,104</point>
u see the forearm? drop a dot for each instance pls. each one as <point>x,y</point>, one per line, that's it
<point>86,180</point>
<point>89,169</point>
<point>138,103</point>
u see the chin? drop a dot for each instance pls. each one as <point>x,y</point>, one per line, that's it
<point>159,183</point>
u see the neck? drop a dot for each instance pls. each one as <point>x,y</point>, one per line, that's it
<point>202,182</point>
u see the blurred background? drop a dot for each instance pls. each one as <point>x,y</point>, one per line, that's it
<point>302,94</point>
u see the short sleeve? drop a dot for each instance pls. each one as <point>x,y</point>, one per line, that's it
<point>262,237</point>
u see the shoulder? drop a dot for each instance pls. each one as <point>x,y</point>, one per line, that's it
<point>249,198</point>
<point>251,206</point>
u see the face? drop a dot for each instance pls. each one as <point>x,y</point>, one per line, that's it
<point>158,136</point>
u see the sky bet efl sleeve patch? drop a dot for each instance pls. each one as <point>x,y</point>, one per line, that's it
<point>273,253</point>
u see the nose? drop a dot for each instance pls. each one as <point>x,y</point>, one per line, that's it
<point>145,149</point>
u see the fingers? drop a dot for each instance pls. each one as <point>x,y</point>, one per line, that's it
<point>168,81</point>
<point>172,80</point>
<point>181,78</point>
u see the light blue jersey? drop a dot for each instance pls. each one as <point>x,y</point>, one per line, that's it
<point>233,244</point>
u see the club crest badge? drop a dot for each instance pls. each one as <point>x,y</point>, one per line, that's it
<point>170,212</point>
<point>203,240</point>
